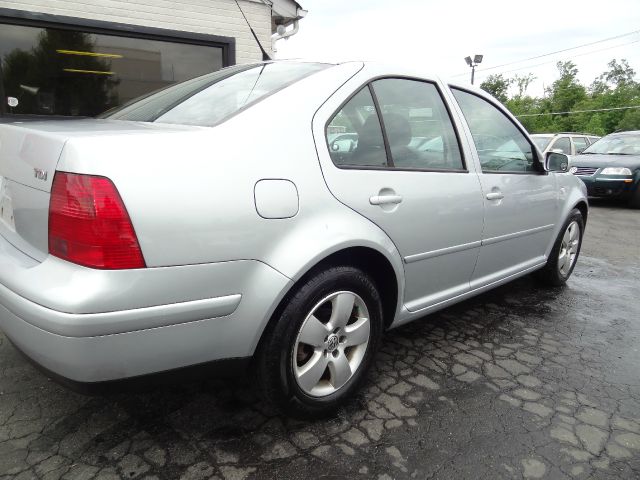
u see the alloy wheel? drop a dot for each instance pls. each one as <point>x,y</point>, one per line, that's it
<point>331,344</point>
<point>569,248</point>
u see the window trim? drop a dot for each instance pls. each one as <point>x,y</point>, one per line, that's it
<point>383,127</point>
<point>507,114</point>
<point>400,169</point>
<point>24,18</point>
<point>368,84</point>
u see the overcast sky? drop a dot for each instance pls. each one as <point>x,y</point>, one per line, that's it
<point>440,33</point>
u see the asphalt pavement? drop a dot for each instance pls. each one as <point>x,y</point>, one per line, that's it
<point>521,382</point>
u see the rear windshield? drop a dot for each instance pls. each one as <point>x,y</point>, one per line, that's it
<point>211,99</point>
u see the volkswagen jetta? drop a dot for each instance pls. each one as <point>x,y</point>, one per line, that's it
<point>211,221</point>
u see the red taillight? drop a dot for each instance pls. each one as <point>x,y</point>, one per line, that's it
<point>89,225</point>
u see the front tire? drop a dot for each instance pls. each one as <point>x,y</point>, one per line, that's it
<point>323,342</point>
<point>564,254</point>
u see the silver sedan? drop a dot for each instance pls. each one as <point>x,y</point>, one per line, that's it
<point>213,221</point>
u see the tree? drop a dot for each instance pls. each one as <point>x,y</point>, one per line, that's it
<point>610,93</point>
<point>523,82</point>
<point>615,89</point>
<point>563,96</point>
<point>619,75</point>
<point>498,86</point>
<point>566,92</point>
<point>630,120</point>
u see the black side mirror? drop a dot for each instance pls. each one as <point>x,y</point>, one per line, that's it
<point>556,162</point>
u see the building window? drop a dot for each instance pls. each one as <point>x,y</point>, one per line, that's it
<point>61,71</point>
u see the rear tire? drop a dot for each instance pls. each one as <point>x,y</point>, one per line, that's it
<point>564,254</point>
<point>316,354</point>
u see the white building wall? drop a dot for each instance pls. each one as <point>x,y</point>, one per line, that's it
<point>214,17</point>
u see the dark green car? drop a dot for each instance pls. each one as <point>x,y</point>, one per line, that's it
<point>611,167</point>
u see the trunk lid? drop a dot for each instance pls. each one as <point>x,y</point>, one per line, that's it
<point>28,161</point>
<point>29,155</point>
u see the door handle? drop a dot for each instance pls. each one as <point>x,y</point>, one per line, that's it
<point>385,199</point>
<point>495,196</point>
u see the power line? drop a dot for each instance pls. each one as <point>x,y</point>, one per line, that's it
<point>577,111</point>
<point>576,55</point>
<point>553,53</point>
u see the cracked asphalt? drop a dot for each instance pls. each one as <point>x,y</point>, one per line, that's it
<point>521,382</point>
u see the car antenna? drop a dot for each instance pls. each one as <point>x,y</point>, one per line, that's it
<point>265,55</point>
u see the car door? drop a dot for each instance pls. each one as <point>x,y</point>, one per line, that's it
<point>428,201</point>
<point>520,198</point>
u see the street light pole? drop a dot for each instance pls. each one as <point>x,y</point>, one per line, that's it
<point>473,63</point>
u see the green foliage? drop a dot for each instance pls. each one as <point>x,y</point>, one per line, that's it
<point>614,88</point>
<point>498,86</point>
<point>523,82</point>
<point>630,120</point>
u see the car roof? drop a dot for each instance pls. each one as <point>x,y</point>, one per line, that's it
<point>399,69</point>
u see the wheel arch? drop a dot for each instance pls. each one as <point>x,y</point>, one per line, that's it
<point>584,209</point>
<point>372,262</point>
<point>368,259</point>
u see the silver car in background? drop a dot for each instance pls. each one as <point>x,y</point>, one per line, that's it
<point>569,143</point>
<point>212,221</point>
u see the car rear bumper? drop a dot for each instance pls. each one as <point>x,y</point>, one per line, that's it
<point>607,187</point>
<point>91,325</point>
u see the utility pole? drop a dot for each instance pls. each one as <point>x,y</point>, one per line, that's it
<point>473,63</point>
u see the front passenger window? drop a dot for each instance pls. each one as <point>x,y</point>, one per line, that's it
<point>501,146</point>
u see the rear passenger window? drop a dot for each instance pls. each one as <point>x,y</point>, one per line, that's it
<point>411,130</point>
<point>417,125</point>
<point>354,134</point>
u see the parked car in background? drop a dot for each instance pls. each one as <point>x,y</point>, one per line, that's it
<point>566,142</point>
<point>190,227</point>
<point>611,167</point>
